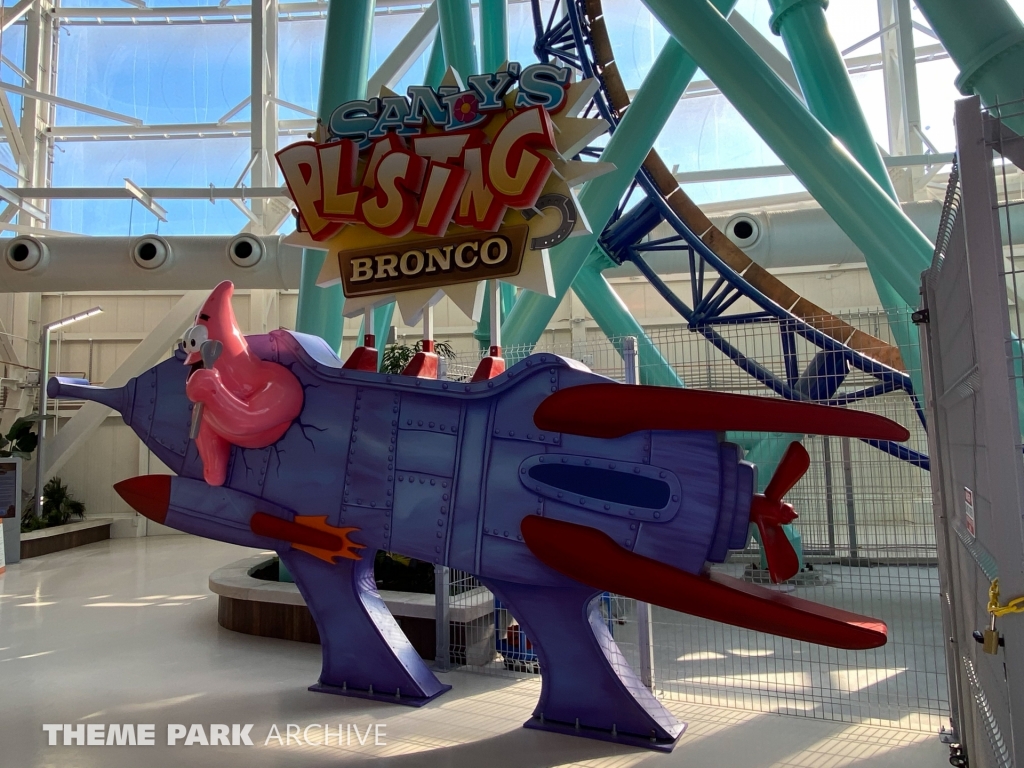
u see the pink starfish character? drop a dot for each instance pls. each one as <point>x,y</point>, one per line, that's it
<point>246,401</point>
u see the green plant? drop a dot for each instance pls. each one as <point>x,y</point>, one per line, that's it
<point>20,440</point>
<point>59,506</point>
<point>397,356</point>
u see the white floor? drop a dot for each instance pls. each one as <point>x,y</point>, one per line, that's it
<point>125,631</point>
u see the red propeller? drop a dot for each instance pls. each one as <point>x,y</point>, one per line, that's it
<point>769,512</point>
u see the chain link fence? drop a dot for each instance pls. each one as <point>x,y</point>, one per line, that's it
<point>866,534</point>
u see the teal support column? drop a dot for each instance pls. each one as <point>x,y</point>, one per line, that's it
<point>343,77</point>
<point>508,298</point>
<point>456,24</point>
<point>482,332</point>
<point>986,40</point>
<point>493,34</point>
<point>825,82</point>
<point>892,246</point>
<point>435,63</point>
<point>382,318</point>
<point>615,320</point>
<point>493,51</point>
<point>626,149</point>
<point>828,91</point>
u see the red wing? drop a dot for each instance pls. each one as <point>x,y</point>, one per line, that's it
<point>614,410</point>
<point>591,557</point>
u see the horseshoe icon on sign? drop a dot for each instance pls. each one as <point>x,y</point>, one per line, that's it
<point>565,207</point>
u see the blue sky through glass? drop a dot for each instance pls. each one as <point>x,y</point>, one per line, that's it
<point>195,73</point>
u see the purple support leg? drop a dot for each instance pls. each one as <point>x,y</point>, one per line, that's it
<point>365,653</point>
<point>587,687</point>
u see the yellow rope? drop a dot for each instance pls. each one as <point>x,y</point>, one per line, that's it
<point>1013,606</point>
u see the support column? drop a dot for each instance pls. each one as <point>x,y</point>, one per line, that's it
<point>892,246</point>
<point>455,20</point>
<point>343,78</point>
<point>493,34</point>
<point>435,63</point>
<point>828,91</point>
<point>986,40</point>
<point>628,146</point>
<point>899,72</point>
<point>37,116</point>
<point>618,323</point>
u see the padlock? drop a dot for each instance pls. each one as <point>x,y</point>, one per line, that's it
<point>990,644</point>
<point>990,641</point>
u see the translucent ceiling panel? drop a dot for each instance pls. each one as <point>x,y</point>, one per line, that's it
<point>850,22</point>
<point>758,13</point>
<point>149,3</point>
<point>870,90</point>
<point>300,53</point>
<point>161,74</point>
<point>521,35</point>
<point>938,94</point>
<point>164,163</point>
<point>707,133</point>
<point>636,38</point>
<point>13,48</point>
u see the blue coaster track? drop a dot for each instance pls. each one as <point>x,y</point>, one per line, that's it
<point>573,40</point>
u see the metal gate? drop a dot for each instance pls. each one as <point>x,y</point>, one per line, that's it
<point>970,327</point>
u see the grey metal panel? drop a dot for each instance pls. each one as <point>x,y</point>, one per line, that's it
<point>975,444</point>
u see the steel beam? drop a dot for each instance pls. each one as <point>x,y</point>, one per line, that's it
<point>14,14</point>
<point>854,64</point>
<point>37,113</point>
<point>899,69</point>
<point>263,137</point>
<point>170,130</point>
<point>12,131</point>
<point>145,199</point>
<point>32,93</point>
<point>167,193</point>
<point>773,171</point>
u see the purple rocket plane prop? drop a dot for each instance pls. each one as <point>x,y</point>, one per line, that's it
<point>543,504</point>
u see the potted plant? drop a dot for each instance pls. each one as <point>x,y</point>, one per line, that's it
<point>397,356</point>
<point>59,507</point>
<point>20,440</point>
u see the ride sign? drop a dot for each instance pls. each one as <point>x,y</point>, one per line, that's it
<point>403,189</point>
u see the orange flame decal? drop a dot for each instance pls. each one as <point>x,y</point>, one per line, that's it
<point>347,549</point>
<point>310,534</point>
